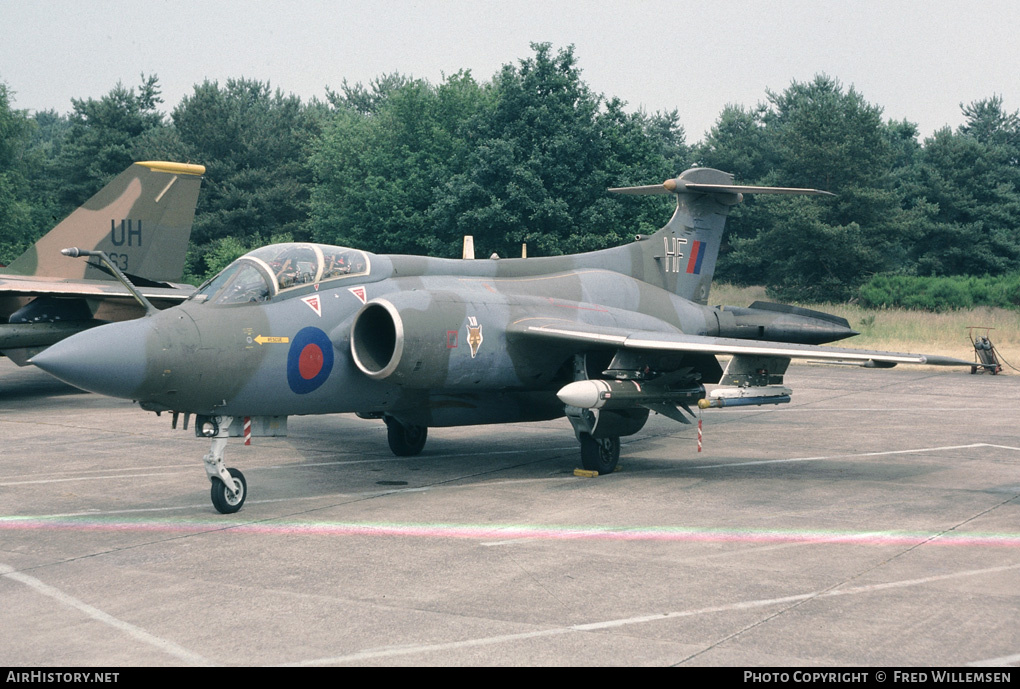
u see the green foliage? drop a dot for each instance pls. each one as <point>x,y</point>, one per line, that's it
<point>254,144</point>
<point>949,207</point>
<point>803,258</point>
<point>408,167</point>
<point>202,264</point>
<point>941,293</point>
<point>205,261</point>
<point>366,100</point>
<point>15,212</point>
<point>104,137</point>
<point>968,187</point>
<point>739,144</point>
<point>827,137</point>
<point>15,130</point>
<point>379,172</point>
<point>819,135</point>
<point>547,150</point>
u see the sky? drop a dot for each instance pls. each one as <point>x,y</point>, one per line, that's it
<point>918,60</point>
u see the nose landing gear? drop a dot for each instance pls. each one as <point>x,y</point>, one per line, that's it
<point>229,489</point>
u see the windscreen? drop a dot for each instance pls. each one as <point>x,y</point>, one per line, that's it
<point>259,275</point>
<point>242,282</point>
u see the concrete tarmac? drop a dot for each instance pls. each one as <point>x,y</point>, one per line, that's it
<point>874,520</point>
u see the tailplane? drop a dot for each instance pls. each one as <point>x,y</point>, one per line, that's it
<point>142,220</point>
<point>687,247</point>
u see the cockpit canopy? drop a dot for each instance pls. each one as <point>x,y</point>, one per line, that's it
<point>260,275</point>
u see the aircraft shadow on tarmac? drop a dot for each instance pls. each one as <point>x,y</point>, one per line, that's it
<point>22,385</point>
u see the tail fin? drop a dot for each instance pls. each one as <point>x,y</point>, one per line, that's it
<point>687,247</point>
<point>142,219</point>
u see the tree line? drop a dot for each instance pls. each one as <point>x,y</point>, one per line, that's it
<point>401,165</point>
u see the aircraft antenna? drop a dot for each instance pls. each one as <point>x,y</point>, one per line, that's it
<point>75,252</point>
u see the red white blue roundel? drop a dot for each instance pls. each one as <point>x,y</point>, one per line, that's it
<point>309,360</point>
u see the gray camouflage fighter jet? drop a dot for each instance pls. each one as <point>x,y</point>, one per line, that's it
<point>602,338</point>
<point>141,220</point>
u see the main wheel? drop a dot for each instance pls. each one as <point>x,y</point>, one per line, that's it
<point>405,441</point>
<point>599,454</point>
<point>223,500</point>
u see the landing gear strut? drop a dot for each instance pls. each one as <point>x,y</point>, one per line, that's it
<point>405,440</point>
<point>229,489</point>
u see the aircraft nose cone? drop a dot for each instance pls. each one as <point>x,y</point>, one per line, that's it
<point>110,359</point>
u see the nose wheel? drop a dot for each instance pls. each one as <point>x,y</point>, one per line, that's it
<point>229,489</point>
<point>228,501</point>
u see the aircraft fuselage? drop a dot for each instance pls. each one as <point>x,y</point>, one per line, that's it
<point>293,354</point>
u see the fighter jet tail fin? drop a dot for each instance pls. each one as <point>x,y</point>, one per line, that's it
<point>686,249</point>
<point>142,220</point>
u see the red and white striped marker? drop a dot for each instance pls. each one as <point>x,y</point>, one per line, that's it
<point>247,431</point>
<point>699,434</point>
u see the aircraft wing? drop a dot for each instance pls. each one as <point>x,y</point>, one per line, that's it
<point>27,286</point>
<point>601,336</point>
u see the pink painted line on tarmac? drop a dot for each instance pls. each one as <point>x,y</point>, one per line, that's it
<point>512,532</point>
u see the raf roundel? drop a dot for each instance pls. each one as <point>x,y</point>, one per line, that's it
<point>309,360</point>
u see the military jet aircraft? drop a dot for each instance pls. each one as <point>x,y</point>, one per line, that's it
<point>141,220</point>
<point>601,338</point>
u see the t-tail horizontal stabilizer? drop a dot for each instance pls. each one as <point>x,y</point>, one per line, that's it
<point>686,248</point>
<point>682,186</point>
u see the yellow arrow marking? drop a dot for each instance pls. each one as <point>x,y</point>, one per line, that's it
<point>261,339</point>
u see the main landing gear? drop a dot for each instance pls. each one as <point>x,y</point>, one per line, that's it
<point>599,454</point>
<point>229,489</point>
<point>405,440</point>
